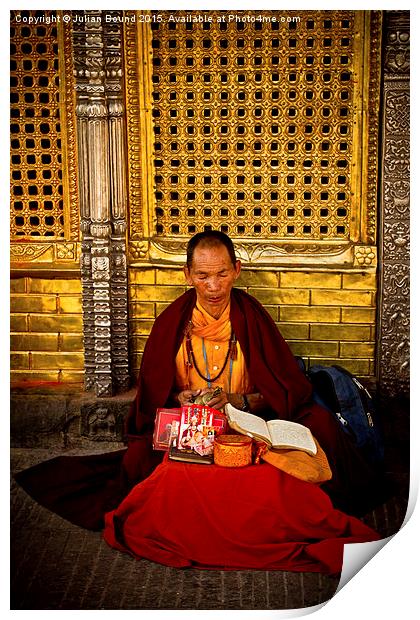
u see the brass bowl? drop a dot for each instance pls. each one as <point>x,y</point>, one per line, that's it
<point>233,450</point>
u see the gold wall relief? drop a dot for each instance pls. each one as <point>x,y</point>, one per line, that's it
<point>265,129</point>
<point>44,206</point>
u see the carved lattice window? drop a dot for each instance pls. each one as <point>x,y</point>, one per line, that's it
<point>44,206</point>
<point>36,152</point>
<point>257,126</point>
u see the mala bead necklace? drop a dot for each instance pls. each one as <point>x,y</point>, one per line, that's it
<point>191,361</point>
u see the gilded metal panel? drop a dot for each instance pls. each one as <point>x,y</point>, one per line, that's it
<point>44,207</point>
<point>394,318</point>
<point>137,57</point>
<point>263,128</point>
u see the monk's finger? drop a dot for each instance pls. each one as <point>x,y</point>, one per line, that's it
<point>185,397</point>
<point>219,401</point>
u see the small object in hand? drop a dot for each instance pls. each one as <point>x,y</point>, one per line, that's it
<point>233,450</point>
<point>203,399</point>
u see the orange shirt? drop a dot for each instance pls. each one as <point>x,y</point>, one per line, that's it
<point>214,335</point>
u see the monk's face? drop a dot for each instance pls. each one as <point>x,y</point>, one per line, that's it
<point>213,275</point>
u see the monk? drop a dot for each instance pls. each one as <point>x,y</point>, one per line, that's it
<point>218,335</point>
<point>214,335</point>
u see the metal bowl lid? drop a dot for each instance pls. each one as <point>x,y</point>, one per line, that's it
<point>233,440</point>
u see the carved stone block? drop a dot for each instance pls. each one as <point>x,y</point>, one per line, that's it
<point>397,47</point>
<point>398,112</point>
<point>396,198</point>
<point>397,157</point>
<point>101,422</point>
<point>396,240</point>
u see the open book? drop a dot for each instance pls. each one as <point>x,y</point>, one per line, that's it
<point>276,433</point>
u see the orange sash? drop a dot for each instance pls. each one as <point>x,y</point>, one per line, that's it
<point>301,465</point>
<point>215,335</point>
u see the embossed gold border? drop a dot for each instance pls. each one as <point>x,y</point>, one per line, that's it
<point>371,151</point>
<point>58,254</point>
<point>132,105</point>
<point>366,137</point>
<point>68,129</point>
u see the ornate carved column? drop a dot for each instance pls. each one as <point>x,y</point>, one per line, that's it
<point>84,70</point>
<point>102,161</point>
<point>393,337</point>
<point>118,188</point>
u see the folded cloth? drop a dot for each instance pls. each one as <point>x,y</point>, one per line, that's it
<point>253,518</point>
<point>300,464</point>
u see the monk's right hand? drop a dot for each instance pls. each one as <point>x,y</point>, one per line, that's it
<point>186,396</point>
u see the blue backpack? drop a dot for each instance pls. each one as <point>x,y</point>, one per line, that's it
<point>341,393</point>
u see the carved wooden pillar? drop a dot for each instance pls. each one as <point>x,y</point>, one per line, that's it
<point>85,77</point>
<point>102,162</point>
<point>393,337</point>
<point>118,189</point>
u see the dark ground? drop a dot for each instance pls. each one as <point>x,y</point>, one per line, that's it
<point>57,565</point>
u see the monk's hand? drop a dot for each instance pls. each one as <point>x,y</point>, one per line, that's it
<point>219,400</point>
<point>186,397</point>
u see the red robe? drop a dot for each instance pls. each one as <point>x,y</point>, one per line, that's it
<point>83,489</point>
<point>276,375</point>
<point>256,517</point>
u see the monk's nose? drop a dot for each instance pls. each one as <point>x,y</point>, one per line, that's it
<point>212,285</point>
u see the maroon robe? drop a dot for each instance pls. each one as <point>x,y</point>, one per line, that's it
<point>82,489</point>
<point>210,517</point>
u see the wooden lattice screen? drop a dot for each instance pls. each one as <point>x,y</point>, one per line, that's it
<point>254,126</point>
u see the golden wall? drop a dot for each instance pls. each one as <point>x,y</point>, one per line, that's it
<point>46,316</point>
<point>327,318</point>
<point>269,133</point>
<point>46,330</point>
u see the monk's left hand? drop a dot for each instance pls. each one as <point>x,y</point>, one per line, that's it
<point>218,401</point>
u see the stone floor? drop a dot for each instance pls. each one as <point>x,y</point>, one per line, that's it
<point>56,565</point>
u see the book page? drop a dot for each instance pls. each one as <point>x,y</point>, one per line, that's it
<point>291,434</point>
<point>247,422</point>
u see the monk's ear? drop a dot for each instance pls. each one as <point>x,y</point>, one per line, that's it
<point>187,275</point>
<point>238,267</point>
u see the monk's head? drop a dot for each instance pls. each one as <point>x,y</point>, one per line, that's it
<point>212,269</point>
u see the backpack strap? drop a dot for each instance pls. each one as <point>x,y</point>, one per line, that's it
<point>344,392</point>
